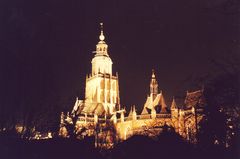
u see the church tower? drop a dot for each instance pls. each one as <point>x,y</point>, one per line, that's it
<point>153,86</point>
<point>102,89</point>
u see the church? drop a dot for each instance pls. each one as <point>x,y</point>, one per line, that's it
<point>100,114</point>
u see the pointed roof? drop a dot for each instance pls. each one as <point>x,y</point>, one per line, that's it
<point>99,109</point>
<point>173,105</point>
<point>94,108</point>
<point>149,104</point>
<point>130,114</point>
<point>148,101</point>
<point>163,104</point>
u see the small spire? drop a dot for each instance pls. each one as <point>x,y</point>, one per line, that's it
<point>101,37</point>
<point>174,105</point>
<point>131,112</point>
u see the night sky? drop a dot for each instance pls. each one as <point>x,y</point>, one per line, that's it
<point>46,46</point>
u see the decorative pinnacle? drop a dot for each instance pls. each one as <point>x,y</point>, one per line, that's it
<point>101,37</point>
<point>174,105</point>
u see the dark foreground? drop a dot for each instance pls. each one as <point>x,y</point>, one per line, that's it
<point>138,147</point>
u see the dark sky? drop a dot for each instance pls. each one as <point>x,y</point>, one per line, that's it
<point>46,46</point>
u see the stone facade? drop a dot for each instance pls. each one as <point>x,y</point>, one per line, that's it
<point>101,115</point>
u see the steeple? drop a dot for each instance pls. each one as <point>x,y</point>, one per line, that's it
<point>101,47</point>
<point>101,63</point>
<point>101,37</point>
<point>153,86</point>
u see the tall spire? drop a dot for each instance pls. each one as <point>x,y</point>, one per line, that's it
<point>101,37</point>
<point>153,85</point>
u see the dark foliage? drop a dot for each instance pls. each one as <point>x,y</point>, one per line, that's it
<point>11,148</point>
<point>168,145</point>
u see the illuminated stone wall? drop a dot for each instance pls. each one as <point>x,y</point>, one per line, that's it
<point>103,89</point>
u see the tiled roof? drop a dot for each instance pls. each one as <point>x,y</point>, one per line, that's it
<point>154,104</point>
<point>94,108</point>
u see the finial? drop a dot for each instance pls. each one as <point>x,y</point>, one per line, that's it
<point>101,37</point>
<point>153,73</point>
